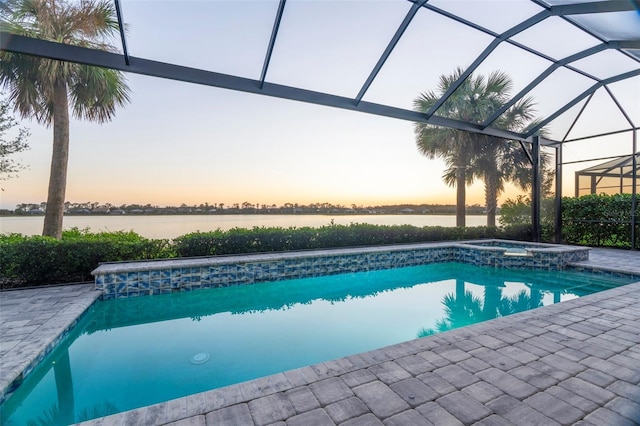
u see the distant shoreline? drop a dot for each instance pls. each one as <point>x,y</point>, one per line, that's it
<point>12,214</point>
<point>175,225</point>
<point>323,209</point>
<point>230,212</point>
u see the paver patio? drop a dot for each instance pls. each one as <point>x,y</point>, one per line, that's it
<point>577,362</point>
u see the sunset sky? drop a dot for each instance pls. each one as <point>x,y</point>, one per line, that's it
<point>182,143</point>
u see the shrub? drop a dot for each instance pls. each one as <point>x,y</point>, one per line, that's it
<point>35,260</point>
<point>238,240</point>
<point>517,212</point>
<point>599,220</point>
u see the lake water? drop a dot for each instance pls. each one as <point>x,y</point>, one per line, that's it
<point>174,226</point>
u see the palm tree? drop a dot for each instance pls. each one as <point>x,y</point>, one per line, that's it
<point>470,155</point>
<point>501,160</point>
<point>453,146</point>
<point>44,89</point>
<point>463,308</point>
<point>498,161</point>
<point>521,302</point>
<point>460,309</point>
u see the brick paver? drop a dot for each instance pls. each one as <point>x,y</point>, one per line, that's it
<point>346,409</point>
<point>414,392</point>
<point>465,408</point>
<point>317,417</point>
<point>302,399</point>
<point>437,415</point>
<point>380,399</point>
<point>269,409</point>
<point>331,390</point>
<point>573,363</point>
<point>409,417</point>
<point>236,414</point>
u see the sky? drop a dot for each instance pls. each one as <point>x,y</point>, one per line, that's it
<point>181,143</point>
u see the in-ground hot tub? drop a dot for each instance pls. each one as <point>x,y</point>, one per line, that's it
<point>517,254</point>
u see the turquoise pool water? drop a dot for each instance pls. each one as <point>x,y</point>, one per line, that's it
<point>127,353</point>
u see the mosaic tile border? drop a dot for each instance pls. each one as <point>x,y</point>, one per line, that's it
<point>600,271</point>
<point>133,279</point>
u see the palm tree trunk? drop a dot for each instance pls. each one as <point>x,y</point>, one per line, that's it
<point>492,296</point>
<point>64,387</point>
<point>461,195</point>
<point>59,160</point>
<point>491,196</point>
<point>460,291</point>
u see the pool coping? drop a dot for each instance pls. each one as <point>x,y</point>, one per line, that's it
<point>32,322</point>
<point>36,338</point>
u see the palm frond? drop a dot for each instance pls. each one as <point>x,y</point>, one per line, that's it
<point>95,93</point>
<point>494,160</point>
<point>500,84</point>
<point>424,101</point>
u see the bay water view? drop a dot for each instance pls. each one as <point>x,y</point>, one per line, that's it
<point>172,226</point>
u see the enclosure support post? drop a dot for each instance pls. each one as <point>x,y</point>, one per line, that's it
<point>536,230</point>
<point>558,197</point>
<point>634,189</point>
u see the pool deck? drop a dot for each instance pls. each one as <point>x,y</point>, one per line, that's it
<point>577,362</point>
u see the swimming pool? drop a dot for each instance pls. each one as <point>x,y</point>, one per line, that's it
<point>237,333</point>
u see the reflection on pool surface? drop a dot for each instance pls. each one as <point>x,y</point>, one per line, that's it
<point>133,352</point>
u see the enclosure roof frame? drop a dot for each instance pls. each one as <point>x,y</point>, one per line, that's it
<point>127,63</point>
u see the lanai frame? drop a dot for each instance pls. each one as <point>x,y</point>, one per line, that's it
<point>530,141</point>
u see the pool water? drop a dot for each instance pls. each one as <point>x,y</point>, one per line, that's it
<point>128,353</point>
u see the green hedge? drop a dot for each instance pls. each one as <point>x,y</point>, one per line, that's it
<point>599,220</point>
<point>256,240</point>
<point>34,260</point>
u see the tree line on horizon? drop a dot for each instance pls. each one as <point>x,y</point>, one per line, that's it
<point>47,91</point>
<point>244,208</point>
